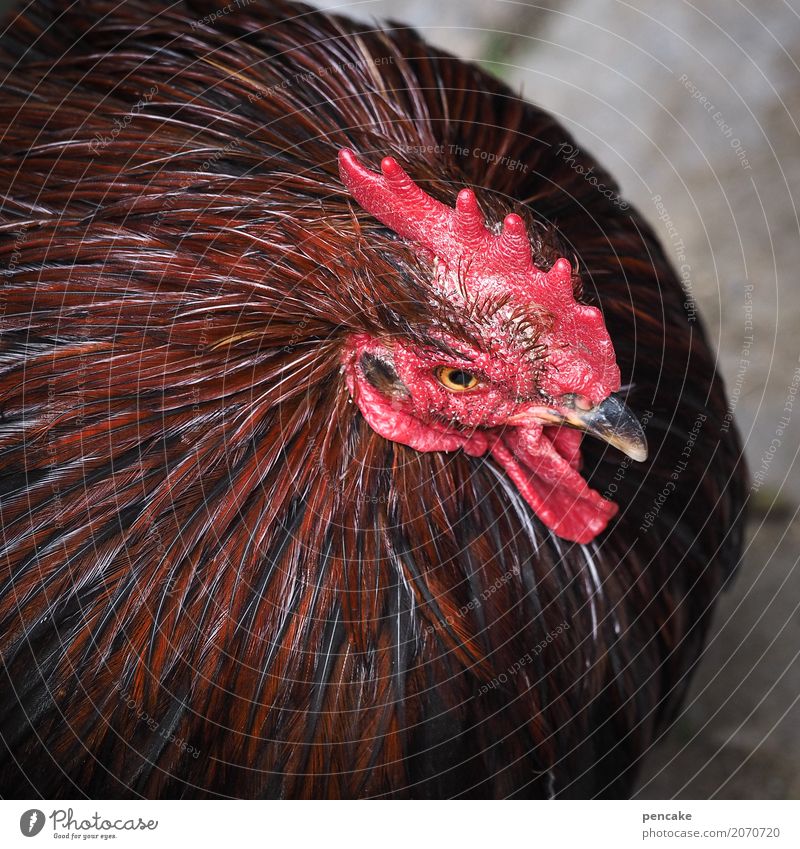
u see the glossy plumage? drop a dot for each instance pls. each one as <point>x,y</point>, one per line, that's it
<point>216,580</point>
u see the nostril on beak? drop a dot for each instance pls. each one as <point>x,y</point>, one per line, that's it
<point>577,402</point>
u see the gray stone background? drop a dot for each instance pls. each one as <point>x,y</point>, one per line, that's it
<point>698,102</point>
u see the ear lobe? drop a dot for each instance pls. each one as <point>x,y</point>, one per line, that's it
<point>379,371</point>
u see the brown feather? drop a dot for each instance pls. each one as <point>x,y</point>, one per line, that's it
<point>216,579</point>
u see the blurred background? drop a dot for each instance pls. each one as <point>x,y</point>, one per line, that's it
<point>694,107</point>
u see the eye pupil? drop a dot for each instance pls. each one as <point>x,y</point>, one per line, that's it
<point>457,379</point>
<point>460,378</point>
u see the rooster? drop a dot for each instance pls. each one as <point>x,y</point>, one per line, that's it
<point>355,442</point>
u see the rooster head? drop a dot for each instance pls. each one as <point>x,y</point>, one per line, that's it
<point>539,372</point>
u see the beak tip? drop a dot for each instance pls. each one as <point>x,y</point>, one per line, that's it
<point>610,421</point>
<point>614,423</point>
<point>637,453</point>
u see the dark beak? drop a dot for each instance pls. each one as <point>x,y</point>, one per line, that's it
<point>610,421</point>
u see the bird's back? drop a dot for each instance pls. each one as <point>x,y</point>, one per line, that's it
<point>216,579</point>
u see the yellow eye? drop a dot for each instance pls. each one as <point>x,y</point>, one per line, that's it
<point>456,379</point>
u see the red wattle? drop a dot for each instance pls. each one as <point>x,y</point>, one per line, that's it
<point>551,484</point>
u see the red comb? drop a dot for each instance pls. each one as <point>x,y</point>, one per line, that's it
<point>486,263</point>
<point>456,236</point>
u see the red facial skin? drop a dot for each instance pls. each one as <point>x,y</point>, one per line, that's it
<point>574,356</point>
<point>542,461</point>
